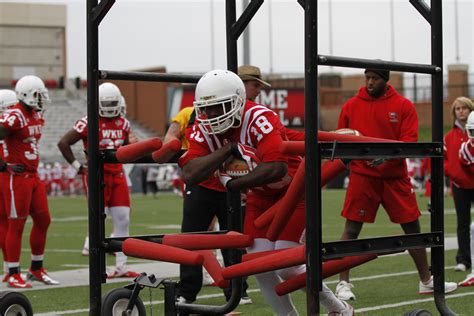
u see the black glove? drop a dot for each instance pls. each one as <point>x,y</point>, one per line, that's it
<point>17,168</point>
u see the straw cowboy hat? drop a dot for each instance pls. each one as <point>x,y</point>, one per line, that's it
<point>247,72</point>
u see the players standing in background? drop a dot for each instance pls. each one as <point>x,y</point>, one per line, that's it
<point>113,132</point>
<point>70,179</point>
<point>57,180</point>
<point>466,155</point>
<point>21,191</point>
<point>7,99</point>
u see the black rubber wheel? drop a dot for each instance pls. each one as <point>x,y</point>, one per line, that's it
<point>14,304</point>
<point>418,312</point>
<point>115,302</point>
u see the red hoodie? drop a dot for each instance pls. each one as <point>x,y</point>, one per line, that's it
<point>390,116</point>
<point>461,175</point>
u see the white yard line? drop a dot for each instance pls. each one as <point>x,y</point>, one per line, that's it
<point>147,303</point>
<point>423,300</point>
<point>360,310</point>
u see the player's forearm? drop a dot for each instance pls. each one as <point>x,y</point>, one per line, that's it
<point>173,132</point>
<point>201,168</point>
<point>66,151</point>
<point>265,173</point>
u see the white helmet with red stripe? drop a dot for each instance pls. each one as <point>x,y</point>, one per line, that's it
<point>7,99</point>
<point>31,91</point>
<point>470,125</point>
<point>110,99</point>
<point>219,101</point>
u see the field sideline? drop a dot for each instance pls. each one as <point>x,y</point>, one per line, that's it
<point>385,286</point>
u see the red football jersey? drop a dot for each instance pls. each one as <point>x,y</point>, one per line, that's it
<point>261,130</point>
<point>21,145</point>
<point>112,134</point>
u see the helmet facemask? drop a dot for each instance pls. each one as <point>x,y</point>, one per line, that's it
<point>109,108</point>
<point>218,115</point>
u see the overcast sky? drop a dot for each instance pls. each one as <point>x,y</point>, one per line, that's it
<point>177,34</point>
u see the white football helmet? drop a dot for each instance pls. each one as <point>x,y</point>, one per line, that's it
<point>109,100</point>
<point>31,91</point>
<point>123,107</point>
<point>470,125</point>
<point>7,99</point>
<point>219,101</point>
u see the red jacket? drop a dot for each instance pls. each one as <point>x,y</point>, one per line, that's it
<point>461,175</point>
<point>391,116</point>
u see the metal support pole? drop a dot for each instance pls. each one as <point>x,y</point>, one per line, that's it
<point>231,41</point>
<point>246,38</point>
<point>313,165</point>
<point>94,162</point>
<point>437,174</point>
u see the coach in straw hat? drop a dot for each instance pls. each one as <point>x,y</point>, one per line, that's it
<point>252,78</point>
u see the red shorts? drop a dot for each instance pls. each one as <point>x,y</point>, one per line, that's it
<point>257,204</point>
<point>365,194</point>
<point>22,195</point>
<point>115,190</point>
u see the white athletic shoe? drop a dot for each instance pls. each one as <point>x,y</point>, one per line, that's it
<point>347,311</point>
<point>429,287</point>
<point>245,300</point>
<point>344,291</point>
<point>460,267</point>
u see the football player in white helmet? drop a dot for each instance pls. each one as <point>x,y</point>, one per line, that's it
<point>110,99</point>
<point>7,99</point>
<point>219,101</point>
<point>31,91</point>
<point>242,128</point>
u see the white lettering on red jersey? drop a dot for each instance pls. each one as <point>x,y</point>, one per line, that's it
<point>21,144</point>
<point>260,130</point>
<point>113,132</point>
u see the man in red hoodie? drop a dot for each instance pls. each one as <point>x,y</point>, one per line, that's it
<point>378,110</point>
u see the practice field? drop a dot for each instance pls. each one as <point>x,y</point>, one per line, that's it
<point>385,286</point>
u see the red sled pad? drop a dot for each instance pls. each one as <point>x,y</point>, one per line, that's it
<point>135,151</point>
<point>154,251</point>
<point>208,241</point>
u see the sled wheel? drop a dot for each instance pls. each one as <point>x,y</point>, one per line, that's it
<point>116,301</point>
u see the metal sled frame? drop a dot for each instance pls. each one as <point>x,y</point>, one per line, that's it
<point>314,152</point>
